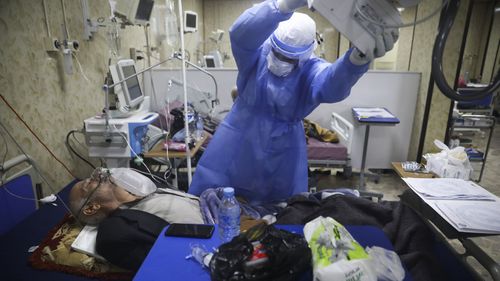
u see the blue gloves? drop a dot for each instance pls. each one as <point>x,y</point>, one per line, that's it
<point>288,6</point>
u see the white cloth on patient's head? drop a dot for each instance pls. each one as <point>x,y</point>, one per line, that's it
<point>133,181</point>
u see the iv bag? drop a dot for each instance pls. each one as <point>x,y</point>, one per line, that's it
<point>172,30</point>
<point>113,38</point>
<point>164,26</point>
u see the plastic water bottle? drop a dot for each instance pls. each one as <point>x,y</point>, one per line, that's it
<point>201,255</point>
<point>199,129</point>
<point>229,216</point>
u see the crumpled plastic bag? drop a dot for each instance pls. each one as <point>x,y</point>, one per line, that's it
<point>449,163</point>
<point>262,253</point>
<point>386,264</point>
<point>337,256</point>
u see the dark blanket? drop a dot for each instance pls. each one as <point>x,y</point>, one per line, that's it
<point>411,237</point>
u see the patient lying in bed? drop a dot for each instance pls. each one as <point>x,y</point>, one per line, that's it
<point>128,224</point>
<point>92,201</point>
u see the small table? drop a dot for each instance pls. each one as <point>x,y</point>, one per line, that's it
<point>371,116</point>
<point>404,174</point>
<point>167,258</point>
<point>444,229</point>
<point>158,151</point>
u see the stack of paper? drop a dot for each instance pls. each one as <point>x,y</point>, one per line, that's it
<point>370,112</point>
<point>465,205</point>
<point>470,216</point>
<point>449,189</point>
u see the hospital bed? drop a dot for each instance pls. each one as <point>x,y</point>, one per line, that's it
<point>25,222</point>
<point>319,154</point>
<point>333,155</point>
<point>25,184</point>
<point>35,226</point>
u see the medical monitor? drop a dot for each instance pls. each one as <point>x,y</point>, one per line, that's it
<point>209,61</point>
<point>213,60</point>
<point>190,21</point>
<point>129,92</point>
<point>134,11</point>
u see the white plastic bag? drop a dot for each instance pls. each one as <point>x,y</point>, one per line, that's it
<point>386,264</point>
<point>449,163</point>
<point>335,254</point>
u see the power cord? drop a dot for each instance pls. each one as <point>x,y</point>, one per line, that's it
<point>68,144</point>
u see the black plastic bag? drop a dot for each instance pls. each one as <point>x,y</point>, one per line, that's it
<point>287,256</point>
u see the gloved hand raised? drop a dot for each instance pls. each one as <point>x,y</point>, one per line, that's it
<point>383,44</point>
<point>288,6</point>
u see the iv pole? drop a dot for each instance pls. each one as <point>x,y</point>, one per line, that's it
<point>184,85</point>
<point>181,57</point>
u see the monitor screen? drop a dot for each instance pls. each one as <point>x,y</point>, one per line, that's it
<point>144,10</point>
<point>133,86</point>
<point>210,62</point>
<point>191,20</point>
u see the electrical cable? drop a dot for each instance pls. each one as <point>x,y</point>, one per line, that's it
<point>76,139</point>
<point>68,144</point>
<point>450,10</point>
<point>415,22</point>
<point>36,136</point>
<point>154,176</point>
<point>449,15</point>
<point>15,195</point>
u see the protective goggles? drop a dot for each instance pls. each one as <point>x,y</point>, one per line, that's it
<point>284,58</point>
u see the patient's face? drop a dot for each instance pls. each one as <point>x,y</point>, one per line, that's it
<point>103,192</point>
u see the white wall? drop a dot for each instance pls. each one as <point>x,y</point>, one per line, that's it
<point>396,91</point>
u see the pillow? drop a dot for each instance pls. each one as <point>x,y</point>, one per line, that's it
<point>55,253</point>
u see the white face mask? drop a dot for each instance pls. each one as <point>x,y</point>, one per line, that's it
<point>277,66</point>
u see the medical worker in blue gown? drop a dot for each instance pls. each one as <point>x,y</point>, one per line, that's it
<point>260,147</point>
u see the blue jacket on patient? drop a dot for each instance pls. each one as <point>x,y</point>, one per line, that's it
<point>260,147</point>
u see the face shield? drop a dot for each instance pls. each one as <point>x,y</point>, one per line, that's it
<point>292,43</point>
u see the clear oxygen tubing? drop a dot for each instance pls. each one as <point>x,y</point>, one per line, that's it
<point>184,82</point>
<point>449,15</point>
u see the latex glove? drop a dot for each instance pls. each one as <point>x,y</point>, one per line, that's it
<point>288,6</point>
<point>383,44</point>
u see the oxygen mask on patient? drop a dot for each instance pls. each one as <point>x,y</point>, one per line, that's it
<point>132,181</point>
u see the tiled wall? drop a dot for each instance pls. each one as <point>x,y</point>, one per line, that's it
<point>33,82</point>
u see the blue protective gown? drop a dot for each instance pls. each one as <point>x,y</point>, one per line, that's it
<point>260,147</point>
